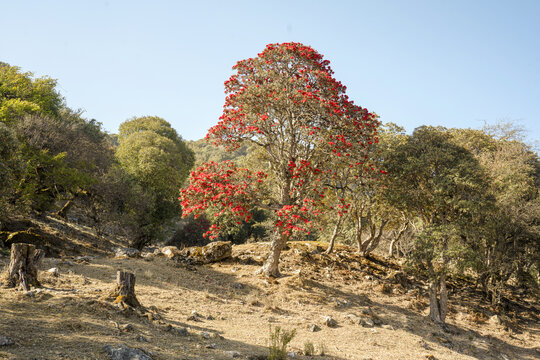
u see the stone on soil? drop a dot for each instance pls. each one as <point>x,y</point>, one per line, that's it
<point>122,352</point>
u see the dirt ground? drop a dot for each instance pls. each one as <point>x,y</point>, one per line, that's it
<point>72,318</point>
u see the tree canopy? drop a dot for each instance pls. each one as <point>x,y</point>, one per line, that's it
<point>286,102</point>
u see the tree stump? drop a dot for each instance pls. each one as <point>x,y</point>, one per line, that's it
<point>23,266</point>
<point>124,292</point>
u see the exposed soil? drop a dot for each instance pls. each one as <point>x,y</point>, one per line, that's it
<point>71,317</point>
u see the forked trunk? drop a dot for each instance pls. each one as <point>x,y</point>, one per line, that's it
<point>438,300</point>
<point>395,240</point>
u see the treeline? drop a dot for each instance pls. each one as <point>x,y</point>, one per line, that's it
<point>53,159</point>
<point>445,201</point>
<point>448,202</point>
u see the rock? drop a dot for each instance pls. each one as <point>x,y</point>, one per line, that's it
<point>217,336</point>
<point>314,328</point>
<point>330,322</point>
<point>495,320</point>
<point>33,292</point>
<point>211,346</point>
<point>353,319</point>
<point>83,259</point>
<point>170,251</point>
<point>6,341</point>
<point>194,316</point>
<point>210,317</point>
<point>205,335</point>
<point>292,355</point>
<point>126,253</point>
<point>126,327</point>
<point>213,252</point>
<point>54,272</point>
<point>122,352</point>
<point>367,322</point>
<point>341,303</point>
<point>141,338</point>
<point>180,331</point>
<point>232,354</point>
<point>367,311</point>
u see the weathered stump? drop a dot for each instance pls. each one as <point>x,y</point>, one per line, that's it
<point>124,292</point>
<point>23,266</point>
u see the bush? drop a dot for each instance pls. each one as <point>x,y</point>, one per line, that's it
<point>279,339</point>
<point>190,232</point>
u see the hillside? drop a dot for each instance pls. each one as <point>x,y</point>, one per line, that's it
<point>380,311</point>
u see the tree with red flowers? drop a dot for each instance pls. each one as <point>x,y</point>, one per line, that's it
<point>286,102</point>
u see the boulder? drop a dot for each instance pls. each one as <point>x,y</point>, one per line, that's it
<point>54,272</point>
<point>126,252</point>
<point>213,252</point>
<point>6,341</point>
<point>330,322</point>
<point>122,352</point>
<point>170,251</point>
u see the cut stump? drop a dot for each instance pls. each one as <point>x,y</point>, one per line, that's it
<point>23,266</point>
<point>124,292</point>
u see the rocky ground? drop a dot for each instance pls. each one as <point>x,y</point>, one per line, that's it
<point>342,306</point>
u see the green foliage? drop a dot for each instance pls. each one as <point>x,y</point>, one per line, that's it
<point>10,166</point>
<point>21,94</point>
<point>279,339</point>
<point>445,186</point>
<point>153,154</point>
<point>207,152</point>
<point>510,238</point>
<point>118,199</point>
<point>190,232</point>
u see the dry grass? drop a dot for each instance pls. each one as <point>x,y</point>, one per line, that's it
<point>72,319</point>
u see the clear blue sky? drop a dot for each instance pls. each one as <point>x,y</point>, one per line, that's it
<point>451,63</point>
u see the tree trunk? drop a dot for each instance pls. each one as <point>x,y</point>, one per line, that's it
<point>23,267</point>
<point>375,240</point>
<point>124,292</point>
<point>334,235</point>
<point>396,239</point>
<point>271,265</point>
<point>438,300</point>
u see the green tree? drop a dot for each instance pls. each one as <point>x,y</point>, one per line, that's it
<point>443,185</point>
<point>511,238</point>
<point>153,153</point>
<point>22,94</point>
<point>9,168</point>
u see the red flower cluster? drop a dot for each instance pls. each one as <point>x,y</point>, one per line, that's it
<point>222,186</point>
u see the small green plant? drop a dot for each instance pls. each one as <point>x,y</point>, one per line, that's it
<point>309,348</point>
<point>279,339</point>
